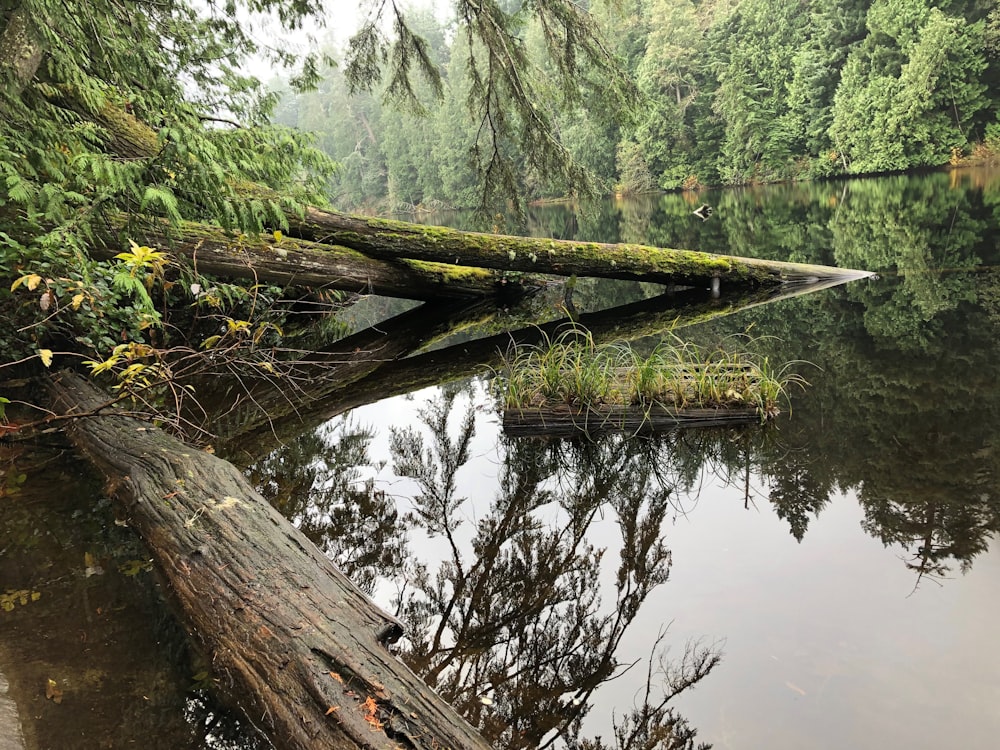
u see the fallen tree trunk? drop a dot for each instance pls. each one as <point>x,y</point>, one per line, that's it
<point>290,638</point>
<point>381,238</point>
<point>396,240</point>
<point>290,261</point>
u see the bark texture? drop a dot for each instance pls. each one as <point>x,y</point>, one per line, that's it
<point>297,645</point>
<point>319,265</point>
<point>20,52</point>
<point>380,238</point>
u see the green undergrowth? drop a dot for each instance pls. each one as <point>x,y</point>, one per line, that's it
<point>574,370</point>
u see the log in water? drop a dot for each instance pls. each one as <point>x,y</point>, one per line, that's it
<point>297,646</point>
<point>565,421</point>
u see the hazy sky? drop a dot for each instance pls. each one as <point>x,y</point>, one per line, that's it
<point>342,19</point>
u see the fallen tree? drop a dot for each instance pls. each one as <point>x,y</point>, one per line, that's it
<point>394,240</point>
<point>459,253</point>
<point>289,637</point>
<point>277,259</point>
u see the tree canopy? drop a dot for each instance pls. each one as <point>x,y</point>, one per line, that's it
<point>733,92</point>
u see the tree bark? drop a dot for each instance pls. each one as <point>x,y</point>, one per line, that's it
<point>388,240</point>
<point>291,639</point>
<point>303,263</point>
<point>20,52</point>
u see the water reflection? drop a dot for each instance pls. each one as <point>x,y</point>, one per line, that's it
<point>92,654</point>
<point>512,624</point>
<point>526,585</point>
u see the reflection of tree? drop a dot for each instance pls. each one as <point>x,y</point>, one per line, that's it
<point>316,481</point>
<point>917,229</point>
<point>903,406</point>
<point>653,725</point>
<point>519,620</point>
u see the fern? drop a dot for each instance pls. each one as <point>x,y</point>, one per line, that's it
<point>164,197</point>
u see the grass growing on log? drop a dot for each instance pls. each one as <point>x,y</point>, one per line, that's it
<point>572,370</point>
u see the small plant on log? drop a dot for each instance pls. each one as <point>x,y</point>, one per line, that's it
<point>572,370</point>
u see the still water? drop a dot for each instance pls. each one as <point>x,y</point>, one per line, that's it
<point>828,582</point>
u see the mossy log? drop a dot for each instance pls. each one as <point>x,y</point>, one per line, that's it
<point>288,261</point>
<point>389,240</point>
<point>396,240</point>
<point>297,646</point>
<point>566,421</point>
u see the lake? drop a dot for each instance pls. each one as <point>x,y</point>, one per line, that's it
<point>827,581</point>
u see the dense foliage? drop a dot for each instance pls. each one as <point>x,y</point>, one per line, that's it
<point>115,115</point>
<point>735,92</point>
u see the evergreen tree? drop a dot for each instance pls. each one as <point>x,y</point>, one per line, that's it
<point>81,83</point>
<point>909,93</point>
<point>753,52</point>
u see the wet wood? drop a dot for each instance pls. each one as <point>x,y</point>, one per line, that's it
<point>566,421</point>
<point>380,238</point>
<point>292,641</point>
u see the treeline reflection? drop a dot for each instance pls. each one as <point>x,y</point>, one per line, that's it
<point>518,619</point>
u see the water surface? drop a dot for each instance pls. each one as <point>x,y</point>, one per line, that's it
<point>841,562</point>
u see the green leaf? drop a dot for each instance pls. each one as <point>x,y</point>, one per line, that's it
<point>164,197</point>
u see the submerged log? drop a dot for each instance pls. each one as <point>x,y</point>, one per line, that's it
<point>297,646</point>
<point>246,437</point>
<point>566,421</point>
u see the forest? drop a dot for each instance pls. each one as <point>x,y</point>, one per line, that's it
<point>730,92</point>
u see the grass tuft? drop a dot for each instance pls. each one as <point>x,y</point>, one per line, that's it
<point>571,369</point>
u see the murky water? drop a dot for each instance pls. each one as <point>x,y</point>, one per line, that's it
<point>841,562</point>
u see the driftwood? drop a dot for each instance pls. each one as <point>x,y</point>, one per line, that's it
<point>566,421</point>
<point>290,638</point>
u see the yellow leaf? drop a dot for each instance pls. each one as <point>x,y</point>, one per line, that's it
<point>46,356</point>
<point>30,279</point>
<point>52,691</point>
<point>277,235</point>
<point>77,301</point>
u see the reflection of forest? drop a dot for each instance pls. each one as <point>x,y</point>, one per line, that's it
<point>512,626</point>
<point>904,404</point>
